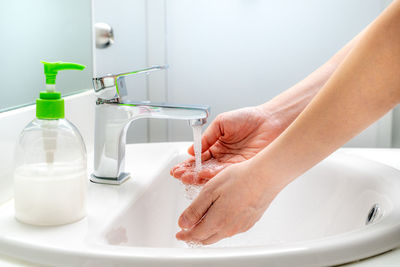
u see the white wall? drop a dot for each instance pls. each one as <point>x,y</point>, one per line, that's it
<point>235,53</point>
<point>229,53</point>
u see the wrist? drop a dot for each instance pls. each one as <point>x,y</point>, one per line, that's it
<point>278,119</point>
<point>264,180</point>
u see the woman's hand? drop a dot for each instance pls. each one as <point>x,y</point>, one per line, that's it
<point>230,203</point>
<point>232,137</point>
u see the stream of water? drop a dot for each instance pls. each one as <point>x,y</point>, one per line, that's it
<point>197,146</point>
<point>191,191</point>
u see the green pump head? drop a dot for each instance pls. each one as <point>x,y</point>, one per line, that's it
<point>50,105</point>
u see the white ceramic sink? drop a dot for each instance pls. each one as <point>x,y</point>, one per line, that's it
<point>318,220</point>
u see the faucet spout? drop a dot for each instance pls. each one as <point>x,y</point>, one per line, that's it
<point>197,122</point>
<point>114,114</point>
<point>112,121</point>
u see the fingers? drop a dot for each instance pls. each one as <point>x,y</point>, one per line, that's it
<point>185,171</point>
<point>210,228</point>
<point>205,229</point>
<point>190,178</point>
<point>201,177</point>
<point>176,171</point>
<point>210,136</point>
<point>213,239</point>
<point>227,205</point>
<point>191,150</point>
<point>211,168</point>
<point>195,212</point>
<point>180,168</point>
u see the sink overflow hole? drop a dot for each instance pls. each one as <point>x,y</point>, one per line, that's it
<point>373,214</point>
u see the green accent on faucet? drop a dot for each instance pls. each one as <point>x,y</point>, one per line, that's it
<point>50,105</point>
<point>141,105</point>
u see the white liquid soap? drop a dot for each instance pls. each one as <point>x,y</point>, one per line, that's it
<point>50,195</point>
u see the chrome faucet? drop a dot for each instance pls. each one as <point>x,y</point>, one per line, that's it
<point>114,114</point>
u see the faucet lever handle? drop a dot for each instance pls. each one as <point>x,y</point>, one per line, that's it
<point>113,85</point>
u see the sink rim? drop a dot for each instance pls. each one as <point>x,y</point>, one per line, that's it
<point>89,248</point>
<point>293,255</point>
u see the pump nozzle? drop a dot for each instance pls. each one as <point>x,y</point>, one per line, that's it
<point>51,69</point>
<point>50,105</point>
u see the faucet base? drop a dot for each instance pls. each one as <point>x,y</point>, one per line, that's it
<point>102,180</point>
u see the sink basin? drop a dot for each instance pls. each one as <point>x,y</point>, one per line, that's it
<point>344,209</point>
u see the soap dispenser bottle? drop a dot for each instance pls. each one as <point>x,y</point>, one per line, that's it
<point>50,173</point>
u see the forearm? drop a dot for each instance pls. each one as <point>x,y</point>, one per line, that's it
<point>362,89</point>
<point>285,107</point>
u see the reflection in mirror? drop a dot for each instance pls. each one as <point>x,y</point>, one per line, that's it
<point>42,30</point>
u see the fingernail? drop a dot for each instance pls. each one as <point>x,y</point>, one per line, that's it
<point>187,179</point>
<point>179,235</point>
<point>185,223</point>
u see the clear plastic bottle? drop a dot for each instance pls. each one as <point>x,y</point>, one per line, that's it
<point>50,176</point>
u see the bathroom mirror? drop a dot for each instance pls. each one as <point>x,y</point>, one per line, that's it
<point>43,30</point>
